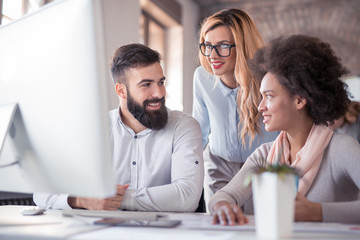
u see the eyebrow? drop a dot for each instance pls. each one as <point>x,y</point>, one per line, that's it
<point>221,42</point>
<point>267,91</point>
<point>149,81</point>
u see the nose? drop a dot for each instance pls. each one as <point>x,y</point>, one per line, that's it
<point>261,106</point>
<point>213,53</point>
<point>158,91</point>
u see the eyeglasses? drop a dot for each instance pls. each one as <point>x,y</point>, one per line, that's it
<point>223,50</point>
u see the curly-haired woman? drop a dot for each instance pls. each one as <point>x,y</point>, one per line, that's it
<point>301,93</point>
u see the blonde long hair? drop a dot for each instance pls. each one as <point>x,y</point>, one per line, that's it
<point>247,41</point>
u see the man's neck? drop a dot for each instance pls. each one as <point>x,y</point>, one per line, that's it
<point>128,119</point>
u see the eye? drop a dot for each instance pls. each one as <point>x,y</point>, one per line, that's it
<point>224,46</point>
<point>208,46</point>
<point>146,85</point>
<point>162,82</point>
<point>268,96</point>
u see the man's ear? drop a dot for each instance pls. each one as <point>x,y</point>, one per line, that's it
<point>300,102</point>
<point>120,90</point>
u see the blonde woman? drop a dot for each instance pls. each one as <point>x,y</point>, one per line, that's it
<point>226,96</point>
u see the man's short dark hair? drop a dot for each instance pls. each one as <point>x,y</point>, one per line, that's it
<point>131,56</point>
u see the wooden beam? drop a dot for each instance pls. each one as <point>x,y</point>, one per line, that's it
<point>1,11</point>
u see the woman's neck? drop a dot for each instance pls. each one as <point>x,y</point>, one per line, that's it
<point>297,137</point>
<point>229,81</point>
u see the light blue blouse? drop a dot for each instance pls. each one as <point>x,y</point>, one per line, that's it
<point>215,109</point>
<point>351,129</point>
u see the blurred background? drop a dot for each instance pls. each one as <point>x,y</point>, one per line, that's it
<point>171,27</point>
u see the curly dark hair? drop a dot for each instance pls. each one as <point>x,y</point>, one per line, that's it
<point>308,67</point>
<point>131,56</point>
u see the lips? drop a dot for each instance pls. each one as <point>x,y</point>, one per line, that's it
<point>217,65</point>
<point>266,118</point>
<point>154,104</point>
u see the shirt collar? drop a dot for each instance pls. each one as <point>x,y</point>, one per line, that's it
<point>144,132</point>
<point>225,90</point>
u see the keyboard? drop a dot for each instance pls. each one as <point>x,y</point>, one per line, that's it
<point>128,215</point>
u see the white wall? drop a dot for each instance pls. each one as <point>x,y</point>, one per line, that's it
<point>174,68</point>
<point>354,87</point>
<point>121,25</point>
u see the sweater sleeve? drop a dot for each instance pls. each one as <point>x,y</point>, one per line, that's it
<point>345,212</point>
<point>346,154</point>
<point>237,190</point>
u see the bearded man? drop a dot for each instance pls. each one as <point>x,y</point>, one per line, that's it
<point>157,152</point>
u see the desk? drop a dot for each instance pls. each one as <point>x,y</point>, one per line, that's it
<point>52,225</point>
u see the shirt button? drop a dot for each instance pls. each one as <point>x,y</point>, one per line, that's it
<point>196,162</point>
<point>133,163</point>
<point>135,136</point>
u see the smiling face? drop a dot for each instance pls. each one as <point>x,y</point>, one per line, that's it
<point>145,95</point>
<point>221,66</point>
<point>280,110</point>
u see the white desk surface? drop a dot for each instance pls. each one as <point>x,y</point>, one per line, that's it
<point>52,225</point>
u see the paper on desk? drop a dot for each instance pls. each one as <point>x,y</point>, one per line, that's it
<point>128,215</point>
<point>204,221</point>
<point>11,216</point>
<point>156,233</point>
<point>51,224</point>
<point>326,227</point>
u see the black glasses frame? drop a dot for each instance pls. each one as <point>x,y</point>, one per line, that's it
<point>216,50</point>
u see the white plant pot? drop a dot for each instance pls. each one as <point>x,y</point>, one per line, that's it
<point>273,197</point>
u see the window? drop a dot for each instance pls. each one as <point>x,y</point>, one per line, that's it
<point>152,33</point>
<point>13,9</point>
<point>161,30</point>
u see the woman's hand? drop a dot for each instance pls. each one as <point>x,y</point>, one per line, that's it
<point>227,213</point>
<point>306,210</point>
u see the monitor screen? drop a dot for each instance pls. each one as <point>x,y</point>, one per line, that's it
<point>54,129</point>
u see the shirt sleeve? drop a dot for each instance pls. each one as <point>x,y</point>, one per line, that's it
<point>200,112</point>
<point>187,176</point>
<point>51,201</point>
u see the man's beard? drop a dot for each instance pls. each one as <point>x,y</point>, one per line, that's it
<point>151,119</point>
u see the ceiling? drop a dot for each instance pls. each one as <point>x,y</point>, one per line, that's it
<point>334,21</point>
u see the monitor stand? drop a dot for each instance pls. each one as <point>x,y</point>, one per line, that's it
<point>6,116</point>
<point>17,158</point>
<point>11,126</point>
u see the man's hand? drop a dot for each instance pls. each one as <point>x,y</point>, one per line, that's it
<point>228,214</point>
<point>111,203</point>
<point>306,210</point>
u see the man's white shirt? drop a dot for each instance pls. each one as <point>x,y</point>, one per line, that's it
<point>164,168</point>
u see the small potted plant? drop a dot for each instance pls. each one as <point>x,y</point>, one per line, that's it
<point>274,190</point>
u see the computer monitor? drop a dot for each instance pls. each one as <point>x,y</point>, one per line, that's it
<point>54,129</point>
